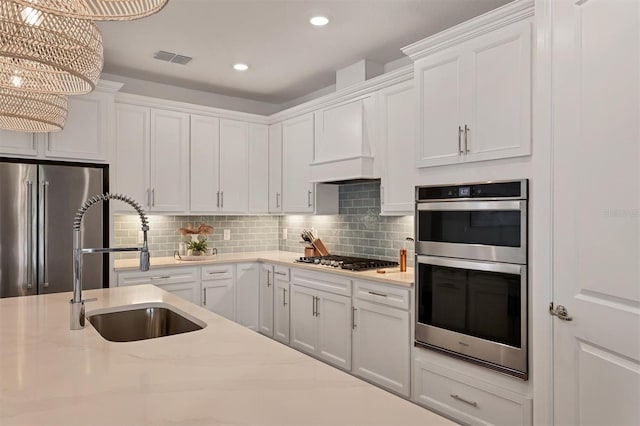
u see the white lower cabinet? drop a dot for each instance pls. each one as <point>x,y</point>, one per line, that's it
<point>218,290</point>
<point>321,321</point>
<point>381,337</point>
<point>247,295</point>
<point>183,282</point>
<point>467,399</point>
<point>265,311</point>
<point>281,304</point>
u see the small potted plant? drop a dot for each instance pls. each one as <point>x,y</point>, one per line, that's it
<point>197,247</point>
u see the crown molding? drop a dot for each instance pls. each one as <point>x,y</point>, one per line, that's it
<point>350,93</point>
<point>485,23</point>
<point>189,108</point>
<point>107,86</point>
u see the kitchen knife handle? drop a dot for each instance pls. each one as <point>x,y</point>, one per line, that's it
<point>29,234</point>
<point>45,219</point>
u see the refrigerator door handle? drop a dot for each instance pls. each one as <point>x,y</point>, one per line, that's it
<point>29,234</point>
<point>45,239</point>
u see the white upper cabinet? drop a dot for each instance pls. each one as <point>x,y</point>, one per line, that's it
<point>18,143</point>
<point>275,168</point>
<point>169,161</point>
<point>438,79</point>
<point>85,133</point>
<point>299,194</point>
<point>396,134</point>
<point>222,155</point>
<point>297,155</point>
<point>258,168</point>
<point>205,154</point>
<point>151,158</point>
<point>473,86</point>
<point>131,161</point>
<point>234,166</point>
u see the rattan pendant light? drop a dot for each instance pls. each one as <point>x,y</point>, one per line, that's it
<point>99,10</point>
<point>47,53</point>
<point>32,112</point>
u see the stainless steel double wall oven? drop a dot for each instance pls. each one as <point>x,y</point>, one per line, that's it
<point>471,272</point>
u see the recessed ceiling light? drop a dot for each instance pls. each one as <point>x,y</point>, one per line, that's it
<point>241,67</point>
<point>319,21</point>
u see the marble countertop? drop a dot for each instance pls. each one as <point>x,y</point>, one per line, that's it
<point>224,374</point>
<point>391,275</point>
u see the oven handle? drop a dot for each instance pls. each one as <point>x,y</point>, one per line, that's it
<point>505,268</point>
<point>473,205</point>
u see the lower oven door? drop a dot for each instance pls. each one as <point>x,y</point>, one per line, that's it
<point>475,310</point>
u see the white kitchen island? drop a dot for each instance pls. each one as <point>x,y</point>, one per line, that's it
<point>221,375</point>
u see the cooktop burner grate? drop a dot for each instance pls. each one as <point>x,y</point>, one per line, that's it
<point>348,262</point>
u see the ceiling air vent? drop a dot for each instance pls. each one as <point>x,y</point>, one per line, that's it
<point>172,57</point>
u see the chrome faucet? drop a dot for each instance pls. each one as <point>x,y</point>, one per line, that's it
<point>77,304</point>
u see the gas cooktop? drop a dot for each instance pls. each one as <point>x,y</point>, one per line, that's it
<point>346,262</point>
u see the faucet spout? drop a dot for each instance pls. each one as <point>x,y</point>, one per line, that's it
<point>77,304</point>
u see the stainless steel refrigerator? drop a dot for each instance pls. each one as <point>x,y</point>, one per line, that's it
<point>37,204</point>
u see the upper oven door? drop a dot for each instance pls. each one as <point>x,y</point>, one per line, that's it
<point>482,230</point>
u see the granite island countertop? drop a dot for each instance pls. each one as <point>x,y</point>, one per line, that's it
<point>285,258</point>
<point>224,374</point>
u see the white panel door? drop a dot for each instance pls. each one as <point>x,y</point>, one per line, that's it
<point>333,314</point>
<point>234,166</point>
<point>258,168</point>
<point>18,143</point>
<point>304,327</point>
<point>219,296</point>
<point>85,133</point>
<point>205,156</point>
<point>439,80</point>
<point>247,295</point>
<point>265,325</point>
<point>297,155</point>
<point>131,163</point>
<point>596,200</point>
<point>169,161</point>
<point>281,310</point>
<point>396,133</point>
<point>275,168</point>
<point>499,124</point>
<point>386,329</point>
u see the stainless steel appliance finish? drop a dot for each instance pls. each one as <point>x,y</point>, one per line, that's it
<point>37,206</point>
<point>511,359</point>
<point>471,273</point>
<point>471,225</point>
<point>348,262</point>
<point>141,324</point>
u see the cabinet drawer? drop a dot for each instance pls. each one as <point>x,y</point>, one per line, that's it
<point>158,277</point>
<point>382,294</point>
<point>281,273</point>
<point>323,282</point>
<point>466,399</point>
<point>217,272</point>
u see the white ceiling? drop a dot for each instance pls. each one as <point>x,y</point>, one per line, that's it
<point>288,56</point>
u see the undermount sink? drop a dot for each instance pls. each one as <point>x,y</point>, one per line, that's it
<point>140,322</point>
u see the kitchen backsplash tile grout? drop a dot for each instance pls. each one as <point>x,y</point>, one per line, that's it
<point>357,230</point>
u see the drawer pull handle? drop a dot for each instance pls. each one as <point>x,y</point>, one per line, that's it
<point>280,273</point>
<point>466,401</point>
<point>163,277</point>
<point>378,294</point>
<point>217,272</point>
